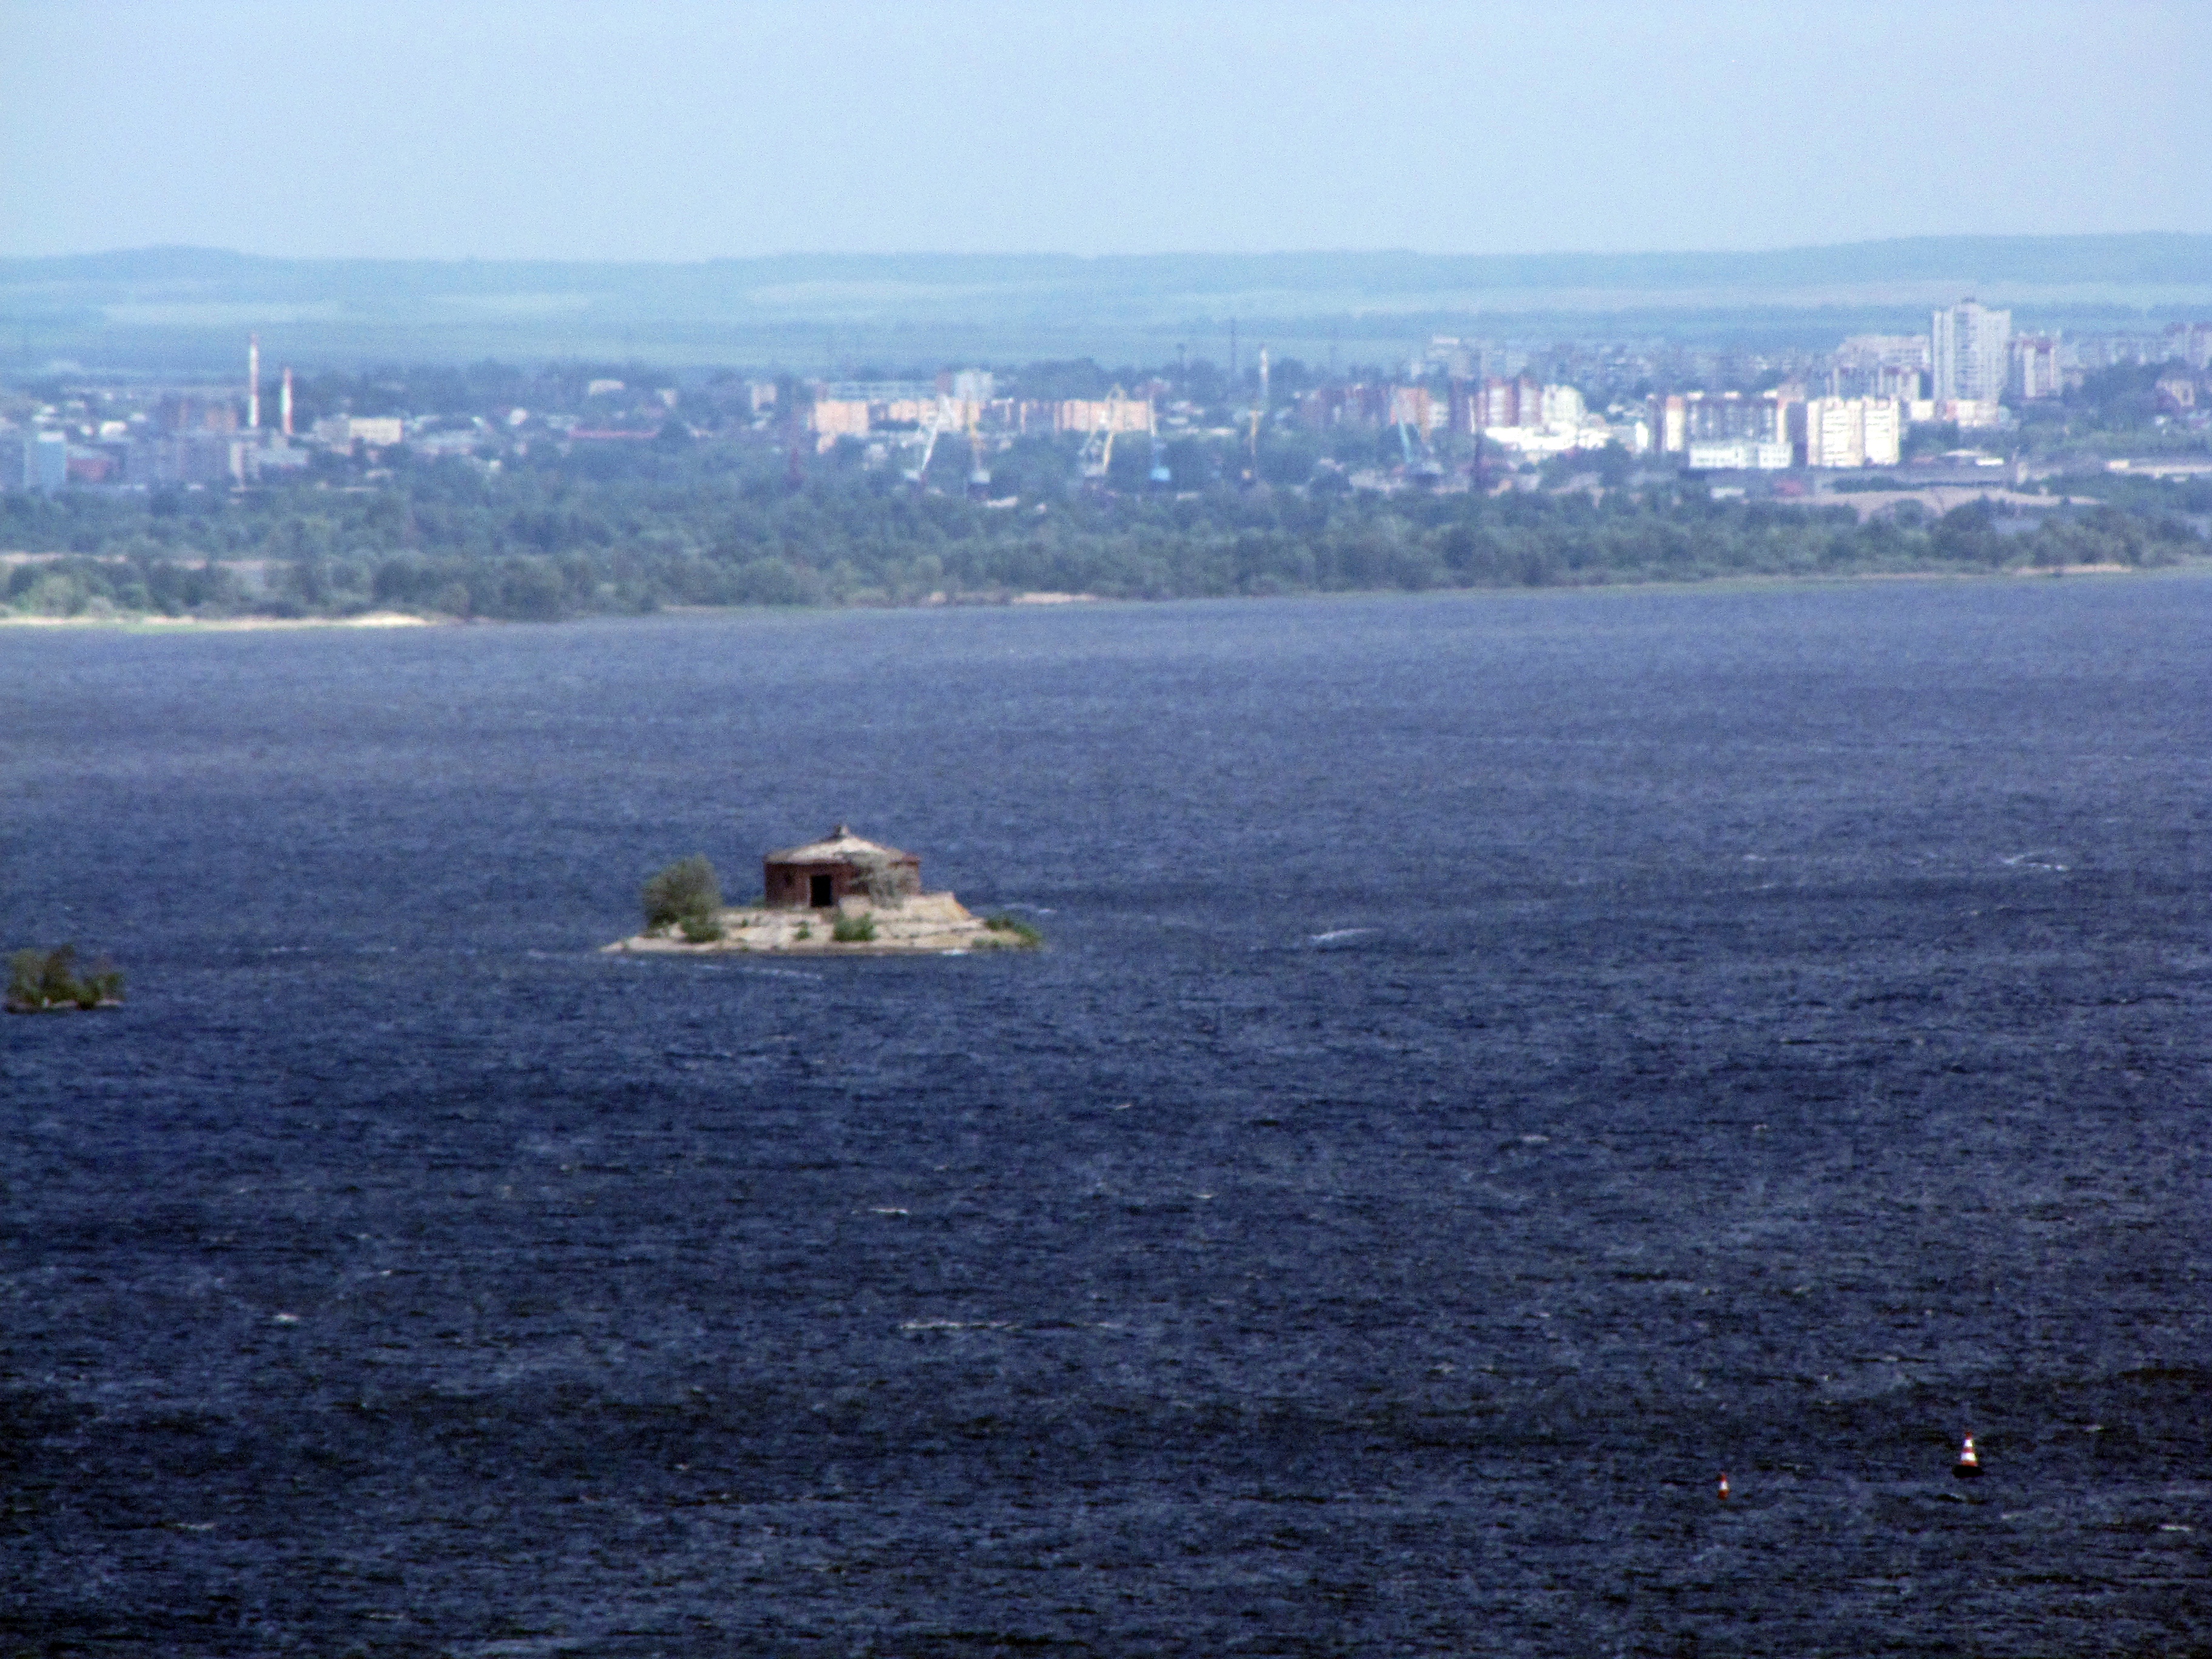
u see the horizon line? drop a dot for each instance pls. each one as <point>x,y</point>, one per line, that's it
<point>2022,237</point>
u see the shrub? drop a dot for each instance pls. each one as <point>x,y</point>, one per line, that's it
<point>854,930</point>
<point>1023,933</point>
<point>686,890</point>
<point>26,973</point>
<point>700,930</point>
<point>58,979</point>
<point>886,883</point>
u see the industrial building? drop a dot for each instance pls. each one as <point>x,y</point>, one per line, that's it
<point>33,458</point>
<point>1880,366</point>
<point>1850,432</point>
<point>963,402</point>
<point>1115,413</point>
<point>1683,420</point>
<point>1740,455</point>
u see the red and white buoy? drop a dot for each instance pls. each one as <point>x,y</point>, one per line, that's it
<point>1724,1487</point>
<point>1969,1465</point>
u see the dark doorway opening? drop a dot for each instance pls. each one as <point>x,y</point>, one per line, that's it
<point>823,895</point>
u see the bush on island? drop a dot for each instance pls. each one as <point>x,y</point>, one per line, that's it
<point>854,930</point>
<point>1021,931</point>
<point>685,892</point>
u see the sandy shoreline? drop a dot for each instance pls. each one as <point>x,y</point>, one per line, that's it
<point>1734,582</point>
<point>222,624</point>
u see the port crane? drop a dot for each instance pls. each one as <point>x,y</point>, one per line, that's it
<point>1259,413</point>
<point>933,424</point>
<point>1096,461</point>
<point>1422,466</point>
<point>979,476</point>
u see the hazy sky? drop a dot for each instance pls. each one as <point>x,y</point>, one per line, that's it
<point>661,129</point>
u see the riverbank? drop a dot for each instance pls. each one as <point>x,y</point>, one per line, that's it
<point>156,622</point>
<point>687,530</point>
<point>1602,583</point>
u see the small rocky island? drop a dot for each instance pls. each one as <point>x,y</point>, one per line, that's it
<point>841,896</point>
<point>47,981</point>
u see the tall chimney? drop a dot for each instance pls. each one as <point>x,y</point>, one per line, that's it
<point>286,405</point>
<point>254,382</point>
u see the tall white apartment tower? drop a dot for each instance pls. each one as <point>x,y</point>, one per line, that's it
<point>1970,352</point>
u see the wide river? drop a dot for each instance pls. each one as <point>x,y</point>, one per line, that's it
<point>1499,1062</point>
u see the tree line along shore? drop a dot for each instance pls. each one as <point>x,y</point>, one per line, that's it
<point>678,524</point>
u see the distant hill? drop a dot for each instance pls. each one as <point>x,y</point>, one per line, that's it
<point>2151,258</point>
<point>171,307</point>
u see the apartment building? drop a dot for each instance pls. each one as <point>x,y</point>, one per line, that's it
<point>2035,371</point>
<point>1969,353</point>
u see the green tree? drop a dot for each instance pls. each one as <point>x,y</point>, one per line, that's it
<point>685,891</point>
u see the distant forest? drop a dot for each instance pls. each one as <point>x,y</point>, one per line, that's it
<point>637,527</point>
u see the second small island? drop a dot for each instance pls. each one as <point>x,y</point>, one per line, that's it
<point>841,896</point>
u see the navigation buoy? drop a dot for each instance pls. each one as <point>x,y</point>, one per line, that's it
<point>1724,1487</point>
<point>1968,1465</point>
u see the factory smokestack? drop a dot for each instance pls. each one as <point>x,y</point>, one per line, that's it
<point>285,406</point>
<point>254,382</point>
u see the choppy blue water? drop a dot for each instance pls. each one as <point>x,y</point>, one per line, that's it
<point>1500,1061</point>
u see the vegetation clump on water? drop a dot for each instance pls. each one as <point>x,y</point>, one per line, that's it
<point>41,981</point>
<point>685,896</point>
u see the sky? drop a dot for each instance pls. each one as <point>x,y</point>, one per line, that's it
<point>668,129</point>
